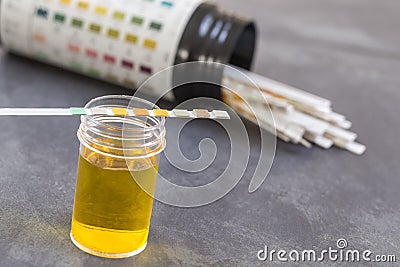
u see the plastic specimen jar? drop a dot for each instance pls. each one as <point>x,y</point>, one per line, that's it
<point>116,177</point>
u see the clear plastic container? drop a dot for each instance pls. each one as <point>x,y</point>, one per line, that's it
<point>116,179</point>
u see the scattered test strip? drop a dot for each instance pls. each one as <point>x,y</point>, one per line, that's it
<point>298,116</point>
<point>134,112</point>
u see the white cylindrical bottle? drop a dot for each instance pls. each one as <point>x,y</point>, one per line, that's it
<point>127,41</point>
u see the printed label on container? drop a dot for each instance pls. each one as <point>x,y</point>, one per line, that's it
<point>128,40</point>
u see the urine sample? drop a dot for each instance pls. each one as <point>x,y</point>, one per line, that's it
<point>116,178</point>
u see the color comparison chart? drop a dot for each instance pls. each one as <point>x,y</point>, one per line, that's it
<point>123,41</point>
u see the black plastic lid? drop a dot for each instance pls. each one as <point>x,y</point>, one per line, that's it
<point>214,35</point>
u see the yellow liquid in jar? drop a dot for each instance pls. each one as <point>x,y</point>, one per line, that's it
<point>111,215</point>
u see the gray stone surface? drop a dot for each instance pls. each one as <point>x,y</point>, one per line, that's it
<point>347,51</point>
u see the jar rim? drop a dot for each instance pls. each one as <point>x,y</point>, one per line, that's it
<point>101,130</point>
<point>127,97</point>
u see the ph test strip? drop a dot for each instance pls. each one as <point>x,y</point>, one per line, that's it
<point>121,112</point>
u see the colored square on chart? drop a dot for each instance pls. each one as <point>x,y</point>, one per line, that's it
<point>109,59</point>
<point>100,10</point>
<point>59,17</point>
<point>130,38</point>
<point>156,26</point>
<point>112,33</point>
<point>65,2</point>
<point>42,12</point>
<point>83,5</point>
<point>167,4</point>
<point>94,72</point>
<point>150,44</point>
<point>146,70</point>
<point>127,64</point>
<point>118,15</point>
<point>91,53</point>
<point>95,28</point>
<point>137,20</point>
<point>40,38</point>
<point>77,23</point>
<point>74,48</point>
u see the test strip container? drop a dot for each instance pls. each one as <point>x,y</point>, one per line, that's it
<point>127,41</point>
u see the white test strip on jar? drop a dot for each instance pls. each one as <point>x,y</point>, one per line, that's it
<point>122,112</point>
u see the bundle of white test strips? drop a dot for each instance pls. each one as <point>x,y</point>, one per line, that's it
<point>298,117</point>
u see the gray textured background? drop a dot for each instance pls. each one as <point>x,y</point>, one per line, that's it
<point>347,51</point>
